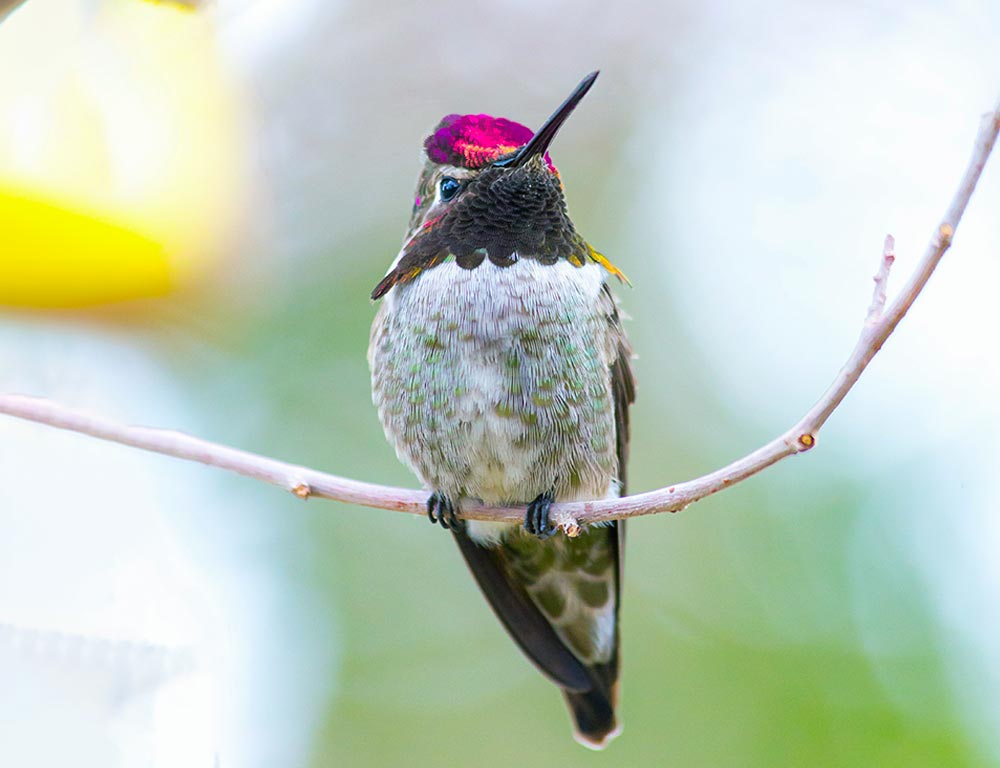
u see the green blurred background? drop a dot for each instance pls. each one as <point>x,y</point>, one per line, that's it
<point>741,163</point>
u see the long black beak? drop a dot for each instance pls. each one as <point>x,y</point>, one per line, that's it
<point>543,137</point>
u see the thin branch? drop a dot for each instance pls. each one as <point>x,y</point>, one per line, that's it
<point>303,482</point>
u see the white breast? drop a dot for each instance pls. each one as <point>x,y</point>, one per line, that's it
<point>481,343</point>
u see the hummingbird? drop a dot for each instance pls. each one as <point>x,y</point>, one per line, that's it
<point>501,373</point>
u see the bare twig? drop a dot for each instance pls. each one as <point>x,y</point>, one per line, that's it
<point>303,482</point>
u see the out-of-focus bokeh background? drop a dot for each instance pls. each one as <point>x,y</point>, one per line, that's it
<point>194,206</point>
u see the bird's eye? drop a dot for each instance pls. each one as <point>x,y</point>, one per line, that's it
<point>449,188</point>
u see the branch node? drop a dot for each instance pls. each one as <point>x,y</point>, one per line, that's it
<point>806,441</point>
<point>567,523</point>
<point>302,490</point>
<point>946,231</point>
<point>571,528</point>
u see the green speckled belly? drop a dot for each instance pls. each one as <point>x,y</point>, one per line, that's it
<point>494,383</point>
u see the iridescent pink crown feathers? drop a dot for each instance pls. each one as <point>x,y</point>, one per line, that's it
<point>474,141</point>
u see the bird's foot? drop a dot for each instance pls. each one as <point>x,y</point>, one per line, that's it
<point>441,509</point>
<point>536,519</point>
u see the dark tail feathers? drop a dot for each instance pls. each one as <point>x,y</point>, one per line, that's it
<point>594,716</point>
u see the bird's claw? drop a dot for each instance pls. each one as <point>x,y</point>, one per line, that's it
<point>536,519</point>
<point>441,509</point>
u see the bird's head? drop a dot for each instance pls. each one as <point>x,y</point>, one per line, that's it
<point>489,190</point>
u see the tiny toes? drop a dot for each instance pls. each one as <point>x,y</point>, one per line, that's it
<point>441,509</point>
<point>536,519</point>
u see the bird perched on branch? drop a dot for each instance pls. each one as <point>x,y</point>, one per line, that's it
<point>501,373</point>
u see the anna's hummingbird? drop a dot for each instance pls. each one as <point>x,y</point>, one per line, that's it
<point>501,373</point>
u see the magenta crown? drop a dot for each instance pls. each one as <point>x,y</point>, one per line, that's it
<point>474,141</point>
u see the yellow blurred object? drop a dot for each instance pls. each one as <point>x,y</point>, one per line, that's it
<point>119,152</point>
<point>54,257</point>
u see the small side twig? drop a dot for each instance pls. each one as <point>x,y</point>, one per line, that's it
<point>881,281</point>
